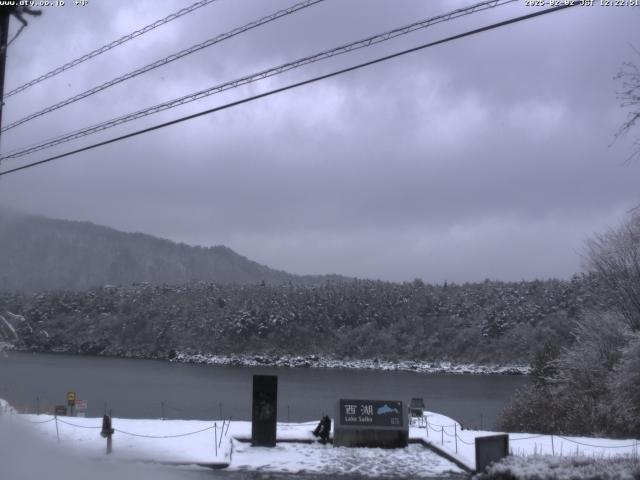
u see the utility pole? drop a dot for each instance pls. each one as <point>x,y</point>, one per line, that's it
<point>4,35</point>
<point>5,14</point>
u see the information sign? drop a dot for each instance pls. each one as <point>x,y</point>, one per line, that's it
<point>371,413</point>
<point>60,411</point>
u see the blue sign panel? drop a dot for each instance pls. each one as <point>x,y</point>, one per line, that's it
<point>371,413</point>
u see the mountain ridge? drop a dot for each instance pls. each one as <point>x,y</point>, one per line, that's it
<point>42,253</point>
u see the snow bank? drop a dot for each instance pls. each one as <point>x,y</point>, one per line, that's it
<point>174,441</point>
<point>563,468</point>
<point>5,408</point>
<point>192,442</point>
<point>415,461</point>
<point>317,361</point>
<point>447,434</point>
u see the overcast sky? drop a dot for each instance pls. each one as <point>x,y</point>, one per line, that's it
<point>486,157</point>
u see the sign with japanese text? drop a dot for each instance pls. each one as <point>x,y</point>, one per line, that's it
<point>60,411</point>
<point>371,413</point>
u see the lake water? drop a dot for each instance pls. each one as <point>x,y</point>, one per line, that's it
<point>137,388</point>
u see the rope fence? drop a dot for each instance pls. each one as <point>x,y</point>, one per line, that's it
<point>162,436</point>
<point>525,438</point>
<point>597,446</point>
<point>442,430</point>
<point>74,424</point>
<point>220,432</point>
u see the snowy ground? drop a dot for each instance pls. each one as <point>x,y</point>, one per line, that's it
<point>193,442</point>
<point>445,433</point>
<point>564,468</point>
<point>414,461</point>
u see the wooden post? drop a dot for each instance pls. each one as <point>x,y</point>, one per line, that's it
<point>228,425</point>
<point>215,437</point>
<point>553,450</point>
<point>57,432</point>
<point>455,431</point>
<point>109,439</point>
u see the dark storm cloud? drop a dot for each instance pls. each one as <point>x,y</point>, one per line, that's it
<point>485,157</point>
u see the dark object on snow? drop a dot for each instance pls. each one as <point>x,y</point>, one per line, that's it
<point>60,411</point>
<point>106,427</point>
<point>416,407</point>
<point>490,449</point>
<point>265,409</point>
<point>323,429</point>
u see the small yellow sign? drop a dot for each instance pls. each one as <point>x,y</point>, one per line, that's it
<point>71,398</point>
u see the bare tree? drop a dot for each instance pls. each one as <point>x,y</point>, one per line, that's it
<point>615,258</point>
<point>629,96</point>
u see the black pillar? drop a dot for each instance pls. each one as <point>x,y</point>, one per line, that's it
<point>265,410</point>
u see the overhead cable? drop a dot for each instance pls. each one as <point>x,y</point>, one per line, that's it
<point>363,43</point>
<point>294,85</point>
<point>164,61</point>
<point>107,47</point>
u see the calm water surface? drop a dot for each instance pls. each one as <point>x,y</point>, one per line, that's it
<point>136,388</point>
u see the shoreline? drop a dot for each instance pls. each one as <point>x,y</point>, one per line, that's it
<point>319,361</point>
<point>309,361</point>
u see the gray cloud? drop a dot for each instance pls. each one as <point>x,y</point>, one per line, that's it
<point>485,157</point>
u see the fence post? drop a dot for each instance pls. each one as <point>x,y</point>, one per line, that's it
<point>228,425</point>
<point>109,439</point>
<point>553,450</point>
<point>57,432</point>
<point>221,434</point>
<point>215,437</point>
<point>455,431</point>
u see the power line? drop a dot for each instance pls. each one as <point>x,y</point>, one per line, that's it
<point>108,46</point>
<point>295,85</point>
<point>363,43</point>
<point>164,61</point>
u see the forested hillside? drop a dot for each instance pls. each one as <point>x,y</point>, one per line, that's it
<point>40,253</point>
<point>483,322</point>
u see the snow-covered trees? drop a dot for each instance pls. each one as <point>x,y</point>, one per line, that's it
<point>615,258</point>
<point>593,386</point>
